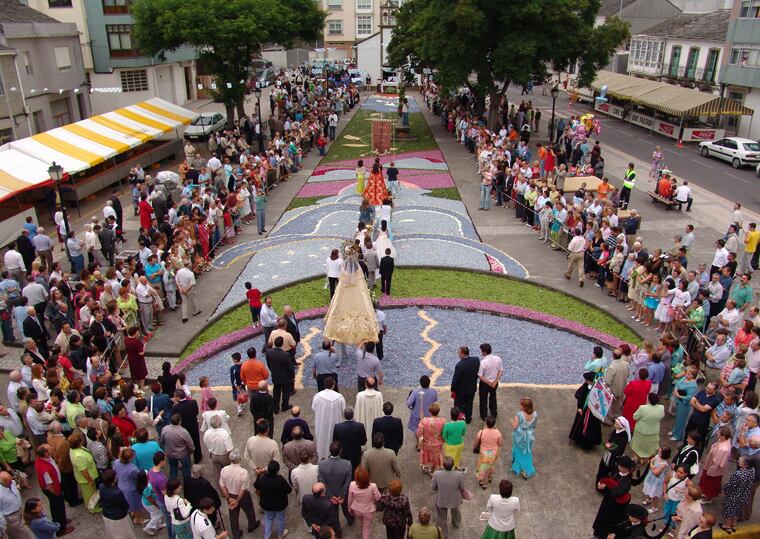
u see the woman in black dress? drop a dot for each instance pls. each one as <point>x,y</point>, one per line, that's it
<point>616,491</point>
<point>167,380</point>
<point>689,453</point>
<point>587,428</point>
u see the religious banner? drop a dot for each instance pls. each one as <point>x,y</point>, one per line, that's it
<point>381,135</point>
<point>600,400</point>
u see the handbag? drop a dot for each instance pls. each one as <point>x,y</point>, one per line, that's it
<point>93,501</point>
<point>467,494</point>
<point>476,449</point>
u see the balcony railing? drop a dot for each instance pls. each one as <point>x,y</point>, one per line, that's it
<point>678,72</point>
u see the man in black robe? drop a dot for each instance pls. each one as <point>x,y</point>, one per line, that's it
<point>635,527</point>
<point>616,491</point>
<point>587,428</point>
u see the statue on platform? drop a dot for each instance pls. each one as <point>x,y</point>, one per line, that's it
<point>351,318</point>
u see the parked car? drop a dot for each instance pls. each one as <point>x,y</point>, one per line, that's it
<point>357,77</point>
<point>204,125</point>
<point>265,78</point>
<point>736,150</point>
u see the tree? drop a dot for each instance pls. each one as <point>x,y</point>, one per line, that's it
<point>487,45</point>
<point>227,33</point>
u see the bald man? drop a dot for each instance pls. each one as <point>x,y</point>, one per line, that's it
<point>35,330</point>
<point>318,511</point>
<point>295,420</point>
<point>10,507</point>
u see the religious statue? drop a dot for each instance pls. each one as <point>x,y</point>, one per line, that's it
<point>351,318</point>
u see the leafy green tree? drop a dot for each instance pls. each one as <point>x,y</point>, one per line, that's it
<point>227,33</point>
<point>487,45</point>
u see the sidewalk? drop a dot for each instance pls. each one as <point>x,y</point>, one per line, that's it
<point>498,227</point>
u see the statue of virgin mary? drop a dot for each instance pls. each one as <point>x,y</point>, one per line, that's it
<point>351,318</point>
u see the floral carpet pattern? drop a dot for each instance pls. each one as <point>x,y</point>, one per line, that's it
<point>423,333</point>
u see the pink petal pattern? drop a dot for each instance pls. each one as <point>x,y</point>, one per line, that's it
<point>240,335</point>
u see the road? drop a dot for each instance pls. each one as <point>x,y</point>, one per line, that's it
<point>711,174</point>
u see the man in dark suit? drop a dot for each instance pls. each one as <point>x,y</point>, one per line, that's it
<point>386,272</point>
<point>281,368</point>
<point>352,437</point>
<point>391,428</point>
<point>464,384</point>
<point>34,329</point>
<point>295,420</point>
<point>188,411</point>
<point>25,247</point>
<point>117,208</point>
<point>107,237</point>
<point>292,327</point>
<point>317,510</point>
<point>262,406</point>
<point>336,473</point>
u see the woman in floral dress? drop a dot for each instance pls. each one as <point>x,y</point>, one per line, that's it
<point>127,303</point>
<point>429,434</point>
<point>397,514</point>
<point>736,492</point>
<point>489,442</point>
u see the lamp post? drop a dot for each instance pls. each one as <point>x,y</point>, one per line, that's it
<point>555,93</point>
<point>257,92</point>
<point>56,175</point>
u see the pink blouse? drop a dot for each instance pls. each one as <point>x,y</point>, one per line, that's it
<point>206,394</point>
<point>489,438</point>
<point>362,500</point>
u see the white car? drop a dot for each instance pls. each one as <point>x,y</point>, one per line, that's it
<point>357,77</point>
<point>204,125</point>
<point>736,150</point>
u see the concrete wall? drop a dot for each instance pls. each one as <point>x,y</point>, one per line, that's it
<point>75,15</point>
<point>747,127</point>
<point>368,54</point>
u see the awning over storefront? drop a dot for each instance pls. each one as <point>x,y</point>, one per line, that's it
<point>668,98</point>
<point>84,144</point>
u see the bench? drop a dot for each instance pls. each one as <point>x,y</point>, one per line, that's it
<point>662,200</point>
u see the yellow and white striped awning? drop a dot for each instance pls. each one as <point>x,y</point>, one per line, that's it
<point>84,144</point>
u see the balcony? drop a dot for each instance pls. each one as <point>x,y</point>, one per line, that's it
<point>744,31</point>
<point>737,75</point>
<point>692,74</point>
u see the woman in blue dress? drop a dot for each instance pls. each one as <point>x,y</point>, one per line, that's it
<point>685,389</point>
<point>523,427</point>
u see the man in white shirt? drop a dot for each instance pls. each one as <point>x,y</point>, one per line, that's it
<point>219,443</point>
<point>14,265</point>
<point>489,373</point>
<point>108,211</point>
<point>185,280</point>
<point>36,296</point>
<point>577,248</point>
<point>234,482</point>
<point>200,524</point>
<point>15,381</point>
<point>10,507</point>
<point>721,257</point>
<point>268,318</point>
<point>753,363</point>
<point>144,294</point>
<point>729,319</point>
<point>683,196</point>
<point>688,238</point>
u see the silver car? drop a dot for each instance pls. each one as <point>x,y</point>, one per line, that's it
<point>736,150</point>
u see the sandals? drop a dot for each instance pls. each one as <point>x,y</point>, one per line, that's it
<point>729,531</point>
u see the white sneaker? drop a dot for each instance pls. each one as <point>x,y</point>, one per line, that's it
<point>284,533</point>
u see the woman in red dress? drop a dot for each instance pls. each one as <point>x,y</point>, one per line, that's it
<point>636,394</point>
<point>375,191</point>
<point>138,370</point>
<point>123,422</point>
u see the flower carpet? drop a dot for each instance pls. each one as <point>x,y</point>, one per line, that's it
<point>427,231</point>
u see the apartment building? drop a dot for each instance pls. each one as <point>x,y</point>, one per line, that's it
<point>116,71</point>
<point>350,21</point>
<point>42,76</point>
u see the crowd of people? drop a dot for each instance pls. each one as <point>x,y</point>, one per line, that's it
<point>709,326</point>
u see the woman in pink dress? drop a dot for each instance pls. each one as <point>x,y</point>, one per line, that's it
<point>430,436</point>
<point>362,499</point>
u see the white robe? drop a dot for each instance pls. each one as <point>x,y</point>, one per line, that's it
<point>328,406</point>
<point>369,406</point>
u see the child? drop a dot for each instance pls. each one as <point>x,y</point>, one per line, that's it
<point>182,384</point>
<point>386,272</point>
<point>653,484</point>
<point>674,490</point>
<point>206,393</point>
<point>238,391</point>
<point>321,143</point>
<point>739,372</point>
<point>254,301</point>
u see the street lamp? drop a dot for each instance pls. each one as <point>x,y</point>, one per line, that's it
<point>56,175</point>
<point>257,92</point>
<point>555,93</point>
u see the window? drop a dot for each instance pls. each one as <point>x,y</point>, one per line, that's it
<point>363,25</point>
<point>62,58</point>
<point>744,57</point>
<point>2,88</point>
<point>6,136</point>
<point>334,4</point>
<point>691,62</point>
<point>135,80</point>
<point>60,111</point>
<point>363,5</point>
<point>59,3</point>
<point>750,9</point>
<point>28,63</point>
<point>335,27</point>
<point>39,122</point>
<point>711,66</point>
<point>120,40</point>
<point>675,61</point>
<point>115,7</point>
